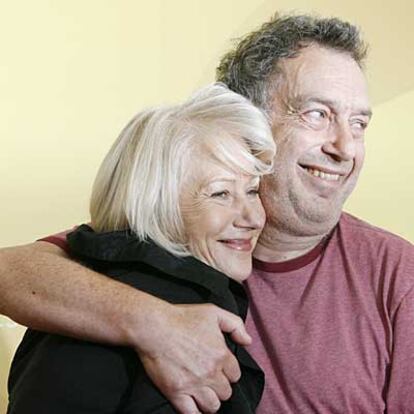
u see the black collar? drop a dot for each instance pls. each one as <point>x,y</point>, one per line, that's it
<point>124,246</point>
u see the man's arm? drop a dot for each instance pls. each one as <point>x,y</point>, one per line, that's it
<point>44,289</point>
<point>181,346</point>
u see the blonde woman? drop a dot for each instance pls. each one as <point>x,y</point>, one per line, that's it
<point>175,212</point>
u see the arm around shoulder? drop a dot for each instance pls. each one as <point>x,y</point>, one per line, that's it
<point>44,289</point>
<point>181,346</point>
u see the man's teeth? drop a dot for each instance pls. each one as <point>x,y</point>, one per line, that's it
<point>323,175</point>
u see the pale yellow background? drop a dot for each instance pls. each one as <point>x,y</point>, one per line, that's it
<point>73,72</point>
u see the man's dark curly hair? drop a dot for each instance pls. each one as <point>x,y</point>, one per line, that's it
<point>250,68</point>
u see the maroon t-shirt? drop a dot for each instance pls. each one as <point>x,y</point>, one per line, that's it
<point>334,330</point>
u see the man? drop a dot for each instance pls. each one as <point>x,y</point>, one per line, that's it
<point>331,297</point>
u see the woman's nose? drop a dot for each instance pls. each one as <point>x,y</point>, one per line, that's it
<point>250,215</point>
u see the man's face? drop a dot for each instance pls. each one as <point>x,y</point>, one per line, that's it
<point>319,115</point>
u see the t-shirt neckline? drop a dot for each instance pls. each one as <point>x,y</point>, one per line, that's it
<point>292,264</point>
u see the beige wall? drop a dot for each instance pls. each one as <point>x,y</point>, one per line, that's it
<point>385,192</point>
<point>73,72</point>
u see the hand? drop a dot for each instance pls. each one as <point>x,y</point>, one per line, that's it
<point>187,358</point>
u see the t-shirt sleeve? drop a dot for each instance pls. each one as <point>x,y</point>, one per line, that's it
<point>58,239</point>
<point>400,395</point>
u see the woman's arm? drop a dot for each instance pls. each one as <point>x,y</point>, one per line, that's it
<point>182,347</point>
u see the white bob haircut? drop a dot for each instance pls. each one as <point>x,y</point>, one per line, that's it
<point>139,183</point>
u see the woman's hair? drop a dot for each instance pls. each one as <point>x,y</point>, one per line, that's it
<point>138,184</point>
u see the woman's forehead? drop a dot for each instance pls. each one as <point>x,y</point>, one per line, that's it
<point>212,170</point>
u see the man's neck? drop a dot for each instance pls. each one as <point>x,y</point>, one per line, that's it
<point>275,246</point>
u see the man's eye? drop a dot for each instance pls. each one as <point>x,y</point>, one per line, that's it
<point>316,114</point>
<point>360,124</point>
<point>220,194</point>
<point>316,118</point>
<point>253,192</point>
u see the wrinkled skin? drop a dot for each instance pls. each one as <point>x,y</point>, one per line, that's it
<point>223,215</point>
<point>320,111</point>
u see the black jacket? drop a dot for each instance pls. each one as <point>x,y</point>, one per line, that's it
<point>53,374</point>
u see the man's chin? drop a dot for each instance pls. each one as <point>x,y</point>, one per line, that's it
<point>311,221</point>
<point>322,222</point>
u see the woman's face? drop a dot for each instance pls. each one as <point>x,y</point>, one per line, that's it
<point>223,217</point>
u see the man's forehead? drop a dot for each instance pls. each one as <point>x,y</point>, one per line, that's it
<point>322,74</point>
<point>317,55</point>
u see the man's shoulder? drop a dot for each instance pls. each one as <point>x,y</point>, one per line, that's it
<point>363,231</point>
<point>384,259</point>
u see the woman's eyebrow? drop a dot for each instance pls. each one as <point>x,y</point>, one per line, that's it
<point>220,180</point>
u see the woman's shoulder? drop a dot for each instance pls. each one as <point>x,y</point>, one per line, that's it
<point>147,266</point>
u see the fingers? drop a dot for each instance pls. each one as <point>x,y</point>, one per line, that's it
<point>222,387</point>
<point>204,401</point>
<point>233,325</point>
<point>185,404</point>
<point>207,400</point>
<point>231,368</point>
<point>191,364</point>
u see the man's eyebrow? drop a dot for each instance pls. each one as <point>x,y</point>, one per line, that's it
<point>366,112</point>
<point>301,100</point>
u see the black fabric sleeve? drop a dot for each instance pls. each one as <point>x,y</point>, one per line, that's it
<point>67,376</point>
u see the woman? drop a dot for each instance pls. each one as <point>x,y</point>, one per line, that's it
<point>175,212</point>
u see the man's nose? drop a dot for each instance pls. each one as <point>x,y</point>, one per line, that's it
<point>340,143</point>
